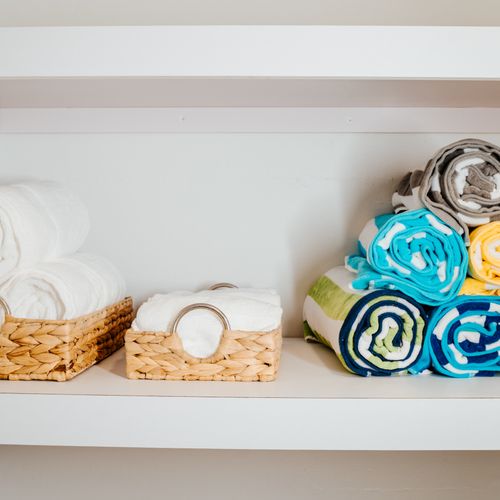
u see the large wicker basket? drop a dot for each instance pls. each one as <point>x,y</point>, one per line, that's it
<point>241,356</point>
<point>60,350</point>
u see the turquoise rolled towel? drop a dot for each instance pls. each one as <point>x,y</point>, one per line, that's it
<point>414,252</point>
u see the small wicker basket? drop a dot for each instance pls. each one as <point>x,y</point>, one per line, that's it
<point>240,357</point>
<point>60,350</point>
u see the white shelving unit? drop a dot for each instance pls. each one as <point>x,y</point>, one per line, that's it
<point>291,66</point>
<point>314,405</point>
<point>233,79</point>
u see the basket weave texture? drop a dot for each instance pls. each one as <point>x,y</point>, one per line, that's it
<point>60,350</point>
<point>241,356</point>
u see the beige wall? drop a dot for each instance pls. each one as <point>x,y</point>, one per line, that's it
<point>83,474</point>
<point>132,12</point>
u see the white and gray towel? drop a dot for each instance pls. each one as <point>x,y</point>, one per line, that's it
<point>460,184</point>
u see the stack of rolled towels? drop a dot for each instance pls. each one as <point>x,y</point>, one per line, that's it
<point>422,291</point>
<point>43,225</point>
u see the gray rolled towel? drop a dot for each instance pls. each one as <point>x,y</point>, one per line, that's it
<point>460,184</point>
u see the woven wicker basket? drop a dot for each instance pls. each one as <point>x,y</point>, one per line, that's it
<point>60,350</point>
<point>241,356</point>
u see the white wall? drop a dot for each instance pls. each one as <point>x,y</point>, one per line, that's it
<point>182,211</point>
<point>108,474</point>
<point>177,211</point>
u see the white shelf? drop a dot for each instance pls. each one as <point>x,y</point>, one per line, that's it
<point>314,405</point>
<point>356,52</point>
<point>160,66</point>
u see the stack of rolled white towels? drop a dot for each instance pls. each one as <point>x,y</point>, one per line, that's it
<point>42,227</point>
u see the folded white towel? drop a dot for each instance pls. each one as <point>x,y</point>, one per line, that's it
<point>64,288</point>
<point>250,310</point>
<point>39,221</point>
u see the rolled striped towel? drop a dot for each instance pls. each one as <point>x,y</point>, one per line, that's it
<point>413,252</point>
<point>484,254</point>
<point>372,333</point>
<point>460,184</point>
<point>464,337</point>
<point>472,286</point>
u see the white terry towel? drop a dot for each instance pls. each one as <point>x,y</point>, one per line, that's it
<point>64,288</point>
<point>39,221</point>
<point>250,310</point>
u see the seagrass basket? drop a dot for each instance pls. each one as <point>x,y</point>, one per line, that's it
<point>59,350</point>
<point>240,356</point>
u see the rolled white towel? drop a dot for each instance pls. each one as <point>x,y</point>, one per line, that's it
<point>39,221</point>
<point>64,288</point>
<point>249,310</point>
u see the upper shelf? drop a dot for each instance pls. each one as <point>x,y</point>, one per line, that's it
<point>249,66</point>
<point>347,52</point>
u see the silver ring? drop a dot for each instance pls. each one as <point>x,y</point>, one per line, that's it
<point>222,317</point>
<point>222,285</point>
<point>5,307</point>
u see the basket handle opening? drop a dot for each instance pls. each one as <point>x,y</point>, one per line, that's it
<point>217,286</point>
<point>209,307</point>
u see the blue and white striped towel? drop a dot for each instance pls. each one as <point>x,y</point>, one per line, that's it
<point>413,252</point>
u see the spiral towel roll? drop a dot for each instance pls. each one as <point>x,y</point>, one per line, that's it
<point>484,261</point>
<point>64,288</point>
<point>372,333</point>
<point>460,184</point>
<point>413,252</point>
<point>39,221</point>
<point>464,337</point>
<point>476,287</point>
